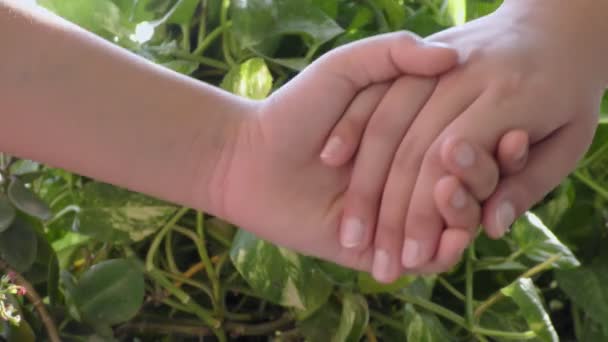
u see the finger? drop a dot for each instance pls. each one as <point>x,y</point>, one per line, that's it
<point>549,163</point>
<point>347,70</point>
<point>475,167</point>
<point>452,243</point>
<point>381,138</point>
<point>512,152</point>
<point>405,170</point>
<point>456,205</point>
<point>344,139</point>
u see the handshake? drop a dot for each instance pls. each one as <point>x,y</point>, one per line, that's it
<point>386,154</point>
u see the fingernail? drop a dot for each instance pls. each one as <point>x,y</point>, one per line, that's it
<point>459,199</point>
<point>437,45</point>
<point>521,154</point>
<point>464,155</point>
<point>333,147</point>
<point>352,233</point>
<point>381,266</point>
<point>505,217</point>
<point>410,253</point>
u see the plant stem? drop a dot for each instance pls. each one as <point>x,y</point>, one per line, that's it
<point>191,329</point>
<point>528,335</point>
<point>386,320</point>
<point>202,251</point>
<point>188,305</point>
<point>34,298</point>
<point>213,35</point>
<point>159,237</point>
<point>469,286</point>
<point>576,319</point>
<point>214,63</point>
<point>185,36</point>
<point>369,333</point>
<point>592,184</point>
<point>261,328</point>
<point>434,308</point>
<point>451,289</point>
<point>224,25</point>
<point>180,280</point>
<point>497,296</point>
<point>169,253</point>
<point>213,277</point>
<point>202,25</point>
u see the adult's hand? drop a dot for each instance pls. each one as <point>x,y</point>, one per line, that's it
<point>530,65</point>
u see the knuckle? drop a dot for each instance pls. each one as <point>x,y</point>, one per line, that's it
<point>409,156</point>
<point>350,128</point>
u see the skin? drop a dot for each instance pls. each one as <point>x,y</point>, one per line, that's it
<point>100,111</point>
<point>524,68</point>
<point>254,163</point>
<point>370,120</point>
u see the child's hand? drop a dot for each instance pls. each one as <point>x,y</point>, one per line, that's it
<point>458,204</point>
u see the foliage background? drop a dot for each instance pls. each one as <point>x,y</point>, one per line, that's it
<point>104,264</point>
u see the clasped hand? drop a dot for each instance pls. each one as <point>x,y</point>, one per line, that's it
<point>367,159</point>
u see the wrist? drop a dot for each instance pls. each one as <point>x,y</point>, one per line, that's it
<point>575,29</point>
<point>213,173</point>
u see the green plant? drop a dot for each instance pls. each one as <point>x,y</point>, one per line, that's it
<point>101,263</point>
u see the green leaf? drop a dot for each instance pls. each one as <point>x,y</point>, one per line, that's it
<point>523,292</point>
<point>480,8</point>
<point>457,11</point>
<point>251,79</point>
<point>368,285</point>
<point>321,326</point>
<point>27,201</point>
<point>112,214</point>
<point>19,245</point>
<point>423,327</point>
<point>21,333</point>
<point>259,21</point>
<point>182,66</point>
<point>7,213</point>
<point>337,274</point>
<point>504,316</point>
<point>354,318</point>
<point>279,275</point>
<point>45,260</point>
<point>183,11</point>
<point>587,287</point>
<point>110,292</point>
<point>393,11</point>
<point>488,264</point>
<point>101,17</point>
<point>552,211</point>
<point>539,243</point>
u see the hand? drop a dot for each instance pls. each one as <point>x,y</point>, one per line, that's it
<point>522,71</point>
<point>374,125</point>
<point>272,181</point>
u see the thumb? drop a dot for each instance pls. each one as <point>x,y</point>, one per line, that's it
<point>327,86</point>
<point>550,161</point>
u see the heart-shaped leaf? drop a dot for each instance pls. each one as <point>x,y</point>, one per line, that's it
<point>279,275</point>
<point>523,293</point>
<point>7,213</point>
<point>19,245</point>
<point>110,292</point>
<point>539,243</point>
<point>27,201</point>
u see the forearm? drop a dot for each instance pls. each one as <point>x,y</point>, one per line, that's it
<point>75,101</point>
<point>580,26</point>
